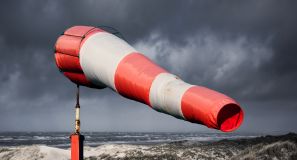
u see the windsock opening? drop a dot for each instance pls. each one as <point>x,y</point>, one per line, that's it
<point>230,117</point>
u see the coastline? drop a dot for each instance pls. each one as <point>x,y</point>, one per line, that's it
<point>264,147</point>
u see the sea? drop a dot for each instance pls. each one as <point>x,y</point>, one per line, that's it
<point>94,139</point>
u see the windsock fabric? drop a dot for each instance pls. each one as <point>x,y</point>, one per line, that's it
<point>94,58</point>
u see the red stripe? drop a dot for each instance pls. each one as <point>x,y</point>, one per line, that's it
<point>68,45</point>
<point>74,38</point>
<point>78,78</point>
<point>68,63</point>
<point>134,76</point>
<point>213,109</point>
<point>67,53</point>
<point>79,31</point>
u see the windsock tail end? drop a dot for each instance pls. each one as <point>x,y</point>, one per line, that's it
<point>230,117</point>
<point>211,108</point>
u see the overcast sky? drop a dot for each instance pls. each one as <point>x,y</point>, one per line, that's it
<point>245,49</point>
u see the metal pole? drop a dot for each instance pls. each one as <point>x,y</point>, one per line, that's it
<point>77,112</point>
<point>76,138</point>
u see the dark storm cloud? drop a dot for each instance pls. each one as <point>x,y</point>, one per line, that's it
<point>246,49</point>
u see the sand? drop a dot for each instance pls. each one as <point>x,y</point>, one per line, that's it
<point>268,147</point>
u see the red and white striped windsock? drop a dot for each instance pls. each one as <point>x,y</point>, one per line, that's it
<point>94,58</point>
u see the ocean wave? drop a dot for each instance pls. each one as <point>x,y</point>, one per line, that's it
<point>61,140</point>
<point>268,147</point>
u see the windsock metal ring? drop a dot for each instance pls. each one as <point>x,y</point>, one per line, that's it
<point>94,58</point>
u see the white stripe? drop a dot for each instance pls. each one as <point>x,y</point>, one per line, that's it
<point>166,93</point>
<point>100,55</point>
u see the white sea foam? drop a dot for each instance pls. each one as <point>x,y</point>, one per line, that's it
<point>41,152</point>
<point>33,152</point>
<point>184,150</point>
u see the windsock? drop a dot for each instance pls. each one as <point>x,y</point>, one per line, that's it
<point>92,57</point>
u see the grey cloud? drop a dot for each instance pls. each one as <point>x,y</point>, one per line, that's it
<point>207,59</point>
<point>245,49</point>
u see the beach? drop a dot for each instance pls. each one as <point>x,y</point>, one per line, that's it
<point>262,147</point>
